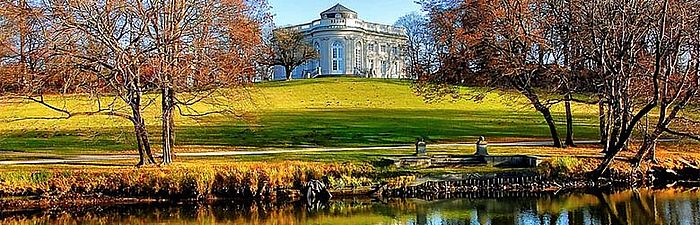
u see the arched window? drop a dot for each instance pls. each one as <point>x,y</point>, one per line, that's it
<point>337,65</point>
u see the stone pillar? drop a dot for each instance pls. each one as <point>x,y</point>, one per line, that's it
<point>349,55</point>
<point>481,147</point>
<point>421,147</point>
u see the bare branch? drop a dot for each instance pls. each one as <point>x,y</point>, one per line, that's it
<point>683,134</point>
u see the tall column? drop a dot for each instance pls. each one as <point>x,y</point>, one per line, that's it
<point>349,53</point>
<point>324,56</point>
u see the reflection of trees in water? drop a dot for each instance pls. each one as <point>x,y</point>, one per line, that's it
<point>644,207</point>
<point>639,207</point>
<point>627,207</point>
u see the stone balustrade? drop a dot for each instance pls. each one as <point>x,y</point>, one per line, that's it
<point>349,23</point>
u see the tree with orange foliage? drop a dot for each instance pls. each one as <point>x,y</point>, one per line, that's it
<point>189,50</point>
<point>201,47</point>
<point>23,49</point>
<point>498,44</point>
<point>634,56</point>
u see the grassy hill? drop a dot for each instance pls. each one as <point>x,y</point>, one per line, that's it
<point>329,112</point>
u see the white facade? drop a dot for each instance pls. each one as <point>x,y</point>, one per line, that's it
<point>350,46</point>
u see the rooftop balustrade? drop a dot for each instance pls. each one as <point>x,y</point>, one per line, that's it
<point>348,23</point>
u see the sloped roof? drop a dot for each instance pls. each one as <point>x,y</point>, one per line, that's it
<point>338,8</point>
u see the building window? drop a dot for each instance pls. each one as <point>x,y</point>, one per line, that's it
<point>395,51</point>
<point>370,47</point>
<point>337,57</point>
<point>383,48</point>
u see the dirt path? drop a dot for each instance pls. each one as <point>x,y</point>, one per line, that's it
<point>96,158</point>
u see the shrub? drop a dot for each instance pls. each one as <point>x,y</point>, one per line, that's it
<point>40,177</point>
<point>400,182</point>
<point>562,167</point>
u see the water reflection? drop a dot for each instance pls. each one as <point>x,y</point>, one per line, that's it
<point>627,207</point>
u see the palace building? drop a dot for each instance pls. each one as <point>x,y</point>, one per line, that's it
<point>349,45</point>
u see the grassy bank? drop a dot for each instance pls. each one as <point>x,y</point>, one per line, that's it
<point>251,176</point>
<point>330,112</point>
<point>245,180</point>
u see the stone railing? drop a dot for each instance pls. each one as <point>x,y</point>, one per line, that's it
<point>349,23</point>
<point>313,73</point>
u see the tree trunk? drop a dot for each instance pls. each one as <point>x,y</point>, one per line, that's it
<point>139,144</point>
<point>603,167</point>
<point>288,73</point>
<point>143,133</point>
<point>552,127</point>
<point>602,124</point>
<point>167,124</point>
<point>144,145</point>
<point>535,101</point>
<point>569,122</point>
<point>648,146</point>
<point>621,138</point>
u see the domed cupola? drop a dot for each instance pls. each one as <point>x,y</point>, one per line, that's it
<point>339,12</point>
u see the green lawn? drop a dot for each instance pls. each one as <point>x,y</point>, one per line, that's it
<point>329,112</point>
<point>379,159</point>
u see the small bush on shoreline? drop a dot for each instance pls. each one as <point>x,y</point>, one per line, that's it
<point>562,167</point>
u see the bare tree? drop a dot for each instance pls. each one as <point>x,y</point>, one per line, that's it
<point>23,51</point>
<point>107,41</point>
<point>420,50</point>
<point>634,56</point>
<point>126,49</point>
<point>635,48</point>
<point>498,44</point>
<point>678,41</point>
<point>291,50</point>
<point>559,32</point>
<point>201,47</point>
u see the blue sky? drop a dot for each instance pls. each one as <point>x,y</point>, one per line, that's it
<point>289,12</point>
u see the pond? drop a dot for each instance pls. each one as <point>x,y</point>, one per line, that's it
<point>634,207</point>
